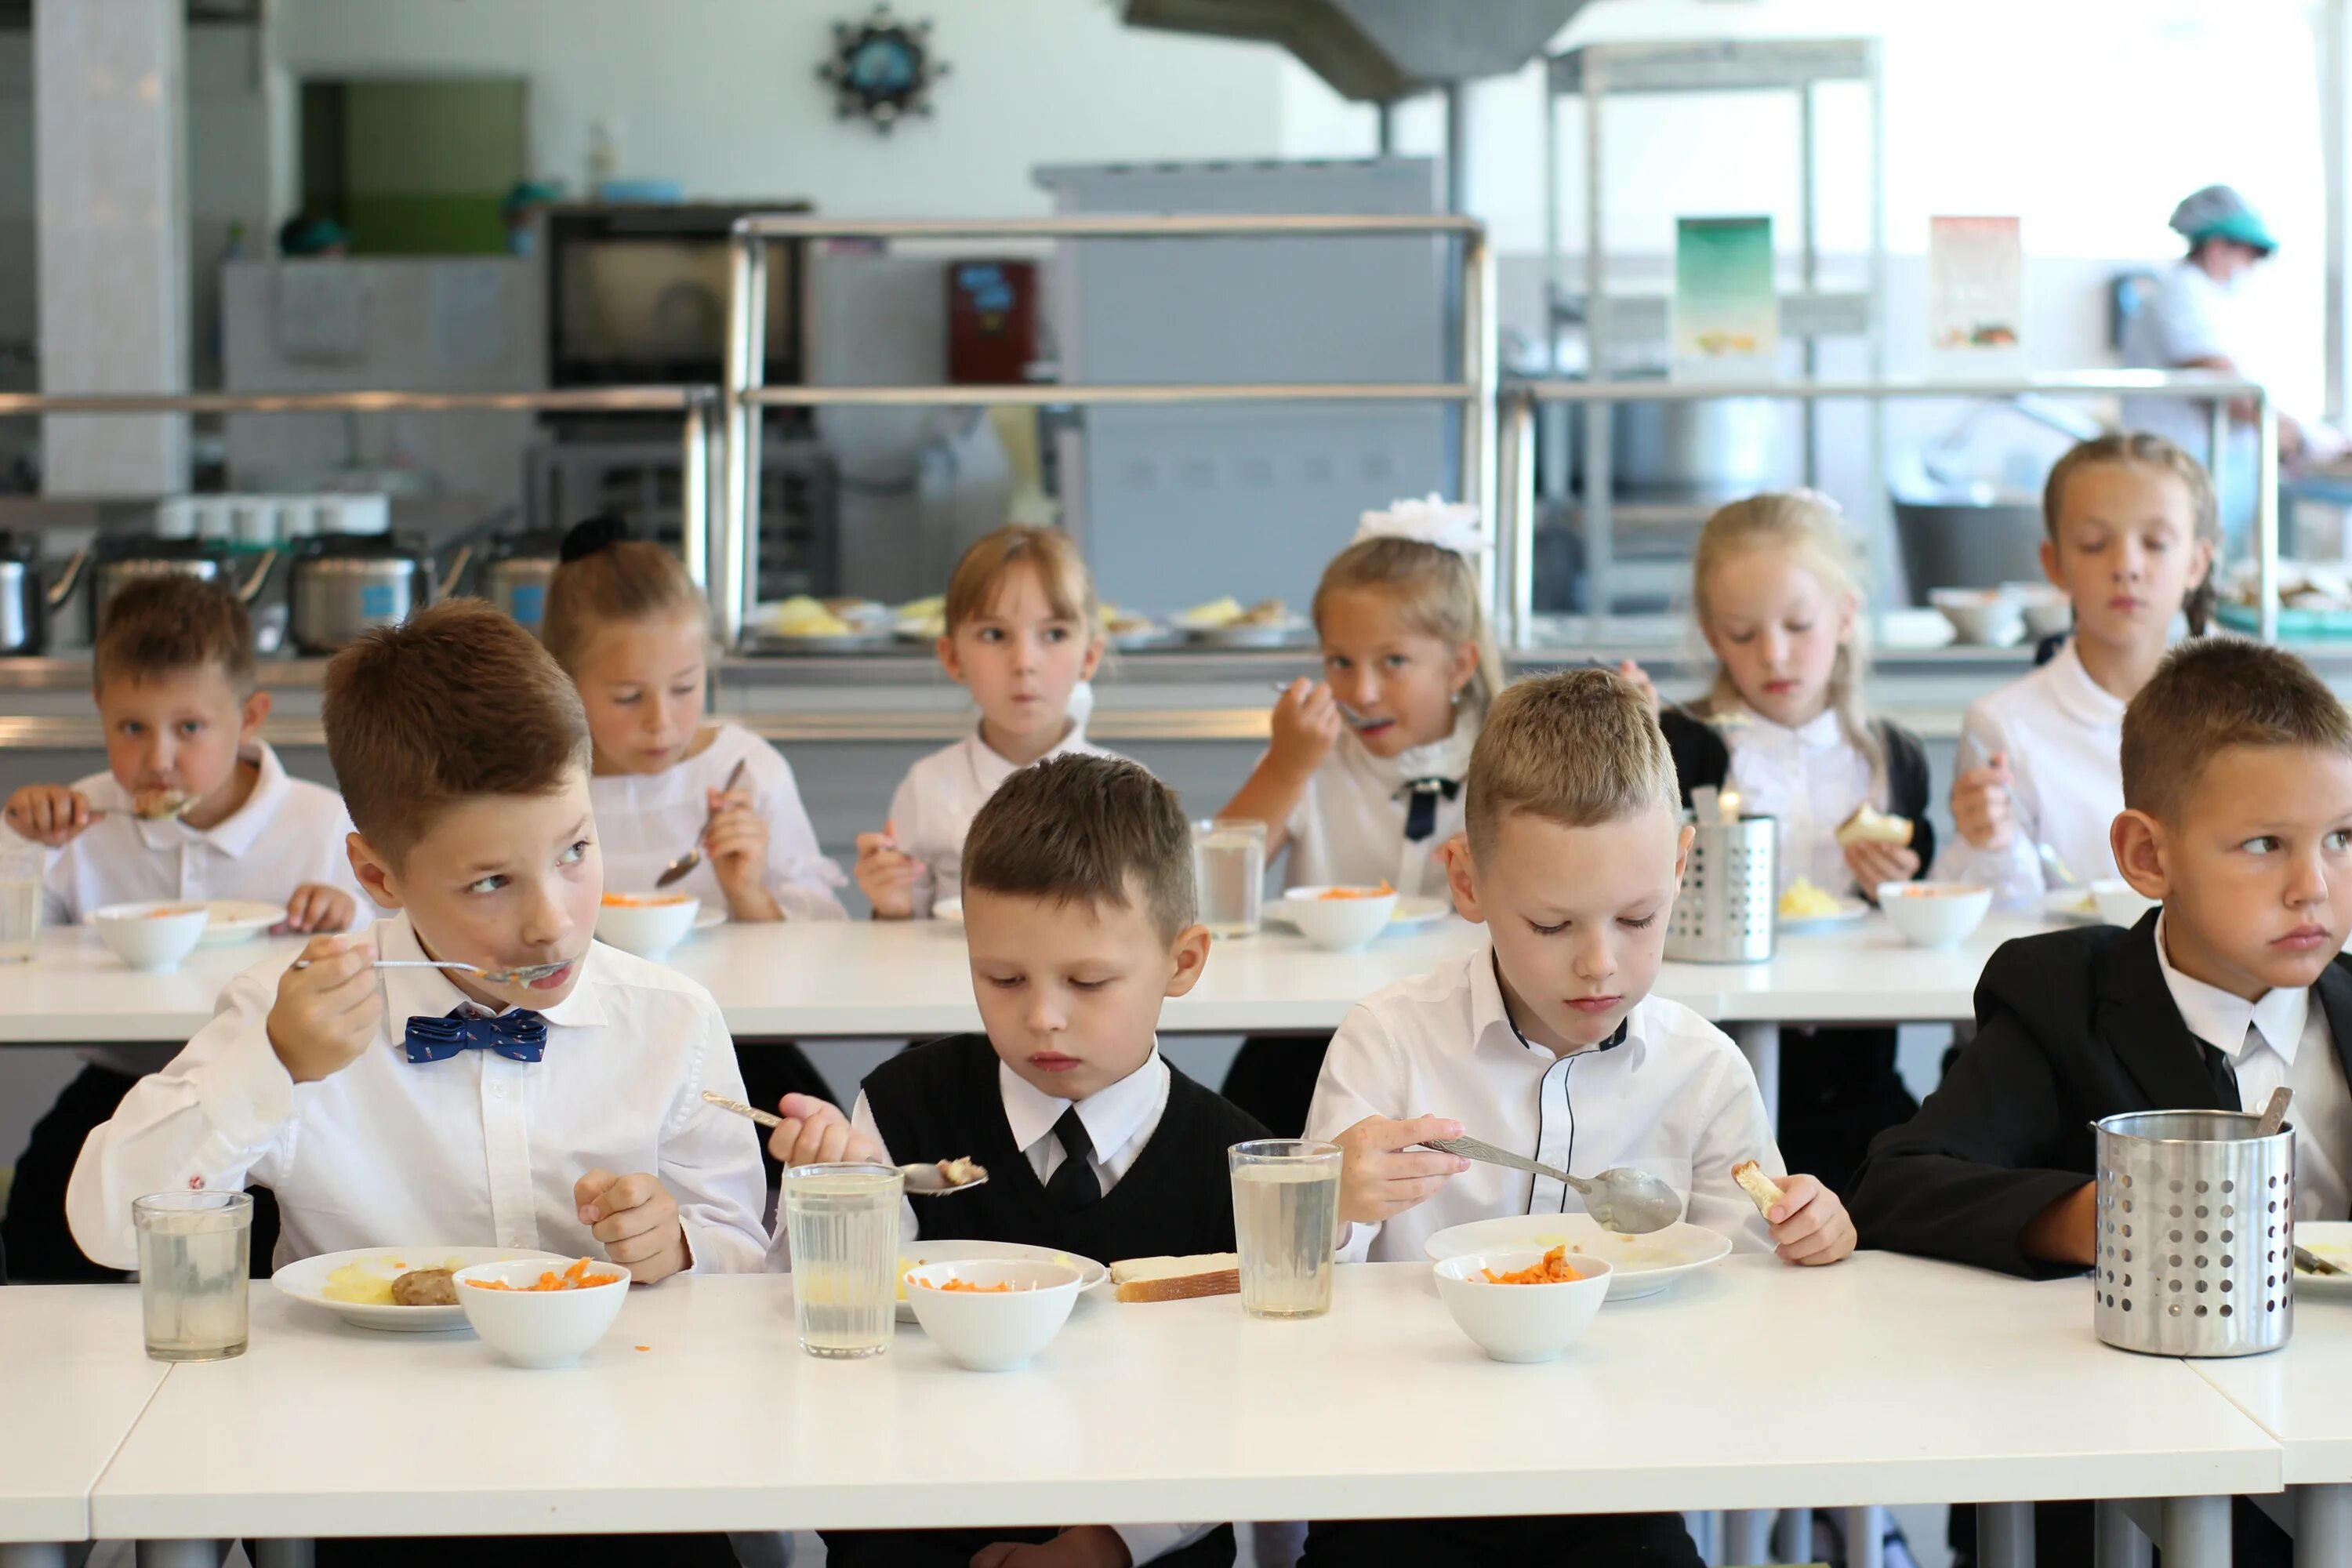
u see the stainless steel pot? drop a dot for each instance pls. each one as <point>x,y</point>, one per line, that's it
<point>1712,449</point>
<point>516,583</point>
<point>113,568</point>
<point>345,586</point>
<point>24,607</point>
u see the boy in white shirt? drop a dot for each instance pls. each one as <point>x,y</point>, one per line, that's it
<point>1546,1040</point>
<point>193,805</point>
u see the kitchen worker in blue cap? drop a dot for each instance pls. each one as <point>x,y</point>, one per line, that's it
<point>2190,321</point>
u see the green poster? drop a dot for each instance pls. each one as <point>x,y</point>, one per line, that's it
<point>1727,307</point>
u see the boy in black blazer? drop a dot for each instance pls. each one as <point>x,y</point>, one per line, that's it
<point>2237,770</point>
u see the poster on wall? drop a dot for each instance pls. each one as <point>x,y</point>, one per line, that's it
<point>1727,307</point>
<point>1976,288</point>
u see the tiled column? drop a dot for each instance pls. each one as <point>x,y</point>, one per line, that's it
<point>111,229</point>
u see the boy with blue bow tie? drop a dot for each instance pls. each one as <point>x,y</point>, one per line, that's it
<point>559,1109</point>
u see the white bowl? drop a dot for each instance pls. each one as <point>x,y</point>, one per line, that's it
<point>153,936</point>
<point>649,929</point>
<point>2046,608</point>
<point>1934,914</point>
<point>540,1328</point>
<point>2120,904</point>
<point>992,1330</point>
<point>1338,925</point>
<point>1984,616</point>
<point>1521,1322</point>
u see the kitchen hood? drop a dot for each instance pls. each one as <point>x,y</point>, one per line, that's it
<point>1377,51</point>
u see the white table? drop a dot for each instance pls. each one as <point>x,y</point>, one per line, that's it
<point>1884,1380</point>
<point>74,1375</point>
<point>2297,1395</point>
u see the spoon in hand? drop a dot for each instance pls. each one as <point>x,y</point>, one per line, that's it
<point>683,867</point>
<point>1630,1202</point>
<point>922,1181</point>
<point>519,976</point>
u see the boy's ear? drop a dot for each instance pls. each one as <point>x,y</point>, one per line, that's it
<point>255,713</point>
<point>1191,955</point>
<point>374,872</point>
<point>1462,880</point>
<point>2050,562</point>
<point>1682,850</point>
<point>2137,840</point>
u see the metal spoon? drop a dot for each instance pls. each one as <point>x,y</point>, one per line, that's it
<point>2274,1113</point>
<point>684,865</point>
<point>2310,1262</point>
<point>522,976</point>
<point>929,1181</point>
<point>2053,869</point>
<point>1282,687</point>
<point>1629,1201</point>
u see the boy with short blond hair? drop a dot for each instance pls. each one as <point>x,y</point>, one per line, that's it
<point>1079,916</point>
<point>1546,1041</point>
<point>193,805</point>
<point>399,1106</point>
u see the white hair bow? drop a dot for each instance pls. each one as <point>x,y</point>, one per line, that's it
<point>1449,525</point>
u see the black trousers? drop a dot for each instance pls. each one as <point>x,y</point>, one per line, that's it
<point>1589,1540</point>
<point>1273,1078</point>
<point>531,1551</point>
<point>34,1234</point>
<point>955,1548</point>
<point>1839,1090</point>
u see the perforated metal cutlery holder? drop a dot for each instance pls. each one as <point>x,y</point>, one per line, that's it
<point>2196,1234</point>
<point>1724,912</point>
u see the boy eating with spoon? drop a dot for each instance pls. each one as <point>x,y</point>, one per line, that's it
<point>1545,1042</point>
<point>413,1106</point>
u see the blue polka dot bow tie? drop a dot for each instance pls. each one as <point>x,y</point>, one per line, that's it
<point>520,1035</point>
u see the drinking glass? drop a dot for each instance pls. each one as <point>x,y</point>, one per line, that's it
<point>1286,1224</point>
<point>842,1227</point>
<point>195,1252</point>
<point>1229,868</point>
<point>22,862</point>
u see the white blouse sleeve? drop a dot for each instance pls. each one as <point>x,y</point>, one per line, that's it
<point>906,821</point>
<point>2014,874</point>
<point>799,875</point>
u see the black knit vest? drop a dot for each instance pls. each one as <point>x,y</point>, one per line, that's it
<point>942,1101</point>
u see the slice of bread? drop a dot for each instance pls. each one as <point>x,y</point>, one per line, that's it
<point>1870,825</point>
<point>1759,1187</point>
<point>1177,1278</point>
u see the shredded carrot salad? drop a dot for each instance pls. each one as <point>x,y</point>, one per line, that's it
<point>1383,891</point>
<point>575,1277</point>
<point>1553,1269</point>
<point>642,900</point>
<point>1001,1286</point>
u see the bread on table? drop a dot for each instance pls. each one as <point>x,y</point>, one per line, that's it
<point>1870,825</point>
<point>1757,1185</point>
<point>1177,1278</point>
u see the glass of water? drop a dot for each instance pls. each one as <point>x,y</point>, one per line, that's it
<point>842,1227</point>
<point>1286,1224</point>
<point>1229,868</point>
<point>21,861</point>
<point>195,1255</point>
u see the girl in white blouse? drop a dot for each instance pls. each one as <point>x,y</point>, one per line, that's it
<point>1361,783</point>
<point>633,631</point>
<point>2132,528</point>
<point>1023,634</point>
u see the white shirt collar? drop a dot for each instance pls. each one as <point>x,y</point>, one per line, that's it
<point>2221,1019</point>
<point>1112,1116</point>
<point>2082,698</point>
<point>429,994</point>
<point>992,767</point>
<point>1490,1014</point>
<point>234,834</point>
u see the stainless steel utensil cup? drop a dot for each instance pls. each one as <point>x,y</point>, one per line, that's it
<point>1724,912</point>
<point>2196,1234</point>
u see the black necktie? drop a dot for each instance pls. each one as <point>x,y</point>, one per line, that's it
<point>1421,811</point>
<point>1073,1185</point>
<point>2224,1076</point>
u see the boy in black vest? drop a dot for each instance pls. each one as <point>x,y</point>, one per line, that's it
<point>1079,911</point>
<point>2237,766</point>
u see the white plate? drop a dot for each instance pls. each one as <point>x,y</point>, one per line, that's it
<point>707,916</point>
<point>2332,1239</point>
<point>1849,911</point>
<point>238,919</point>
<point>1090,1273</point>
<point>1276,634</point>
<point>1638,1264</point>
<point>307,1280</point>
<point>2072,905</point>
<point>949,910</point>
<point>1412,914</point>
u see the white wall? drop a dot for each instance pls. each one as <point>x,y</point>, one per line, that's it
<point>723,95</point>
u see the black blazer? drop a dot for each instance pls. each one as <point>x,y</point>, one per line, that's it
<point>2071,1025</point>
<point>1702,757</point>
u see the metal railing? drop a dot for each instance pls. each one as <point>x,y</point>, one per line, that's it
<point>735,559</point>
<point>1514,530</point>
<point>695,407</point>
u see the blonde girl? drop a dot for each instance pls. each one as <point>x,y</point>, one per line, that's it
<point>2131,530</point>
<point>1362,782</point>
<point>1022,633</point>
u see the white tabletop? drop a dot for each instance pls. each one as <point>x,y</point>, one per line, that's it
<point>1883,1380</point>
<point>74,1375</point>
<point>2296,1394</point>
<point>908,978</point>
